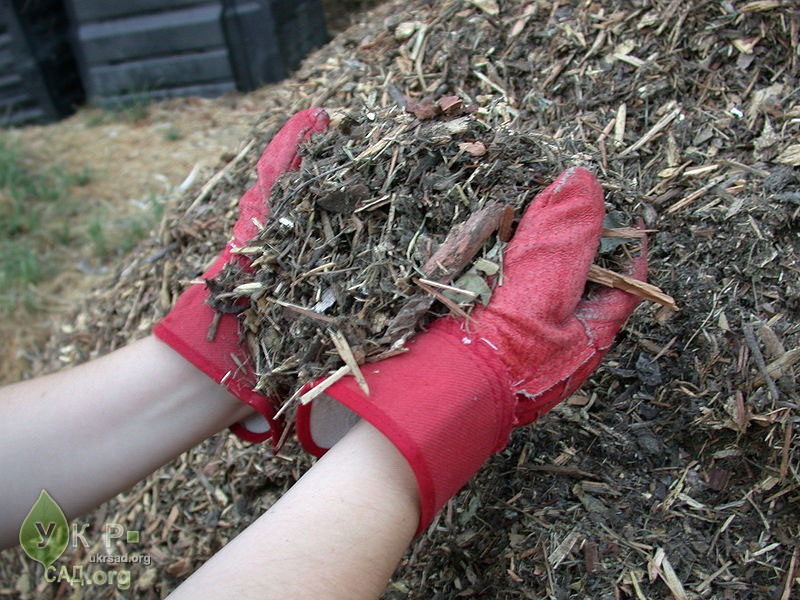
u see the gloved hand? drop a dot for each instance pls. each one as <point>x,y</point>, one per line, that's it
<point>452,400</point>
<point>186,326</point>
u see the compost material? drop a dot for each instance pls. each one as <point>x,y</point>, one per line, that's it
<point>390,221</point>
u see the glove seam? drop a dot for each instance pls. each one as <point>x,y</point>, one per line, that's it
<point>499,378</point>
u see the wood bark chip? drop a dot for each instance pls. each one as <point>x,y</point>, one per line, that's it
<point>506,227</point>
<point>457,251</point>
<point>631,285</point>
<point>463,244</point>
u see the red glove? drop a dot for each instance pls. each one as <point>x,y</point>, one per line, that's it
<point>451,401</point>
<point>186,327</point>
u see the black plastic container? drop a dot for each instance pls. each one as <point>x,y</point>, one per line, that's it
<point>268,39</point>
<point>39,80</point>
<point>157,48</point>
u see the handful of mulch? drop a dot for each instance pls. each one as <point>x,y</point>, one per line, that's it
<point>391,221</point>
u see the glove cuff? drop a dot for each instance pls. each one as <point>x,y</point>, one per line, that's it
<point>224,359</point>
<point>446,405</point>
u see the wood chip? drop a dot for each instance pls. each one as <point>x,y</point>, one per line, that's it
<point>762,5</point>
<point>790,156</point>
<point>559,553</point>
<point>671,579</point>
<point>626,232</point>
<point>505,229</point>
<point>660,126</point>
<point>473,148</point>
<point>758,358</point>
<point>778,367</point>
<point>645,290</point>
<point>490,7</point>
<point>346,354</point>
<point>323,385</point>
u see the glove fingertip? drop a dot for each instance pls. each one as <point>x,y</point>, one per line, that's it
<point>574,184</point>
<point>282,152</point>
<point>319,119</point>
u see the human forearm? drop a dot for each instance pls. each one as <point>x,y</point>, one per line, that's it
<point>87,433</point>
<point>339,532</point>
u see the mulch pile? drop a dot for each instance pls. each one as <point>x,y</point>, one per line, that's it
<point>396,216</point>
<point>675,471</point>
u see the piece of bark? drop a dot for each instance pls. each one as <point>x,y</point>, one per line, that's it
<point>463,244</point>
<point>457,251</point>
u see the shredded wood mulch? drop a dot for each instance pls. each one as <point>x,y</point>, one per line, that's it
<point>397,215</point>
<point>675,471</point>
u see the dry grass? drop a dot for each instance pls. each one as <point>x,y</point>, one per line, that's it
<point>136,168</point>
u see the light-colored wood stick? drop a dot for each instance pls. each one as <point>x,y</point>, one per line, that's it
<point>626,232</point>
<point>346,354</point>
<point>324,384</point>
<point>645,290</point>
<point>662,124</point>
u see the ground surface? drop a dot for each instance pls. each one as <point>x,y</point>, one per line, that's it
<point>134,160</point>
<point>675,472</point>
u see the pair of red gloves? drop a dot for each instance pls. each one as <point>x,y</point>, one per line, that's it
<point>452,400</point>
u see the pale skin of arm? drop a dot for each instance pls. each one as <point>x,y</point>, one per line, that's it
<point>338,533</point>
<point>90,432</point>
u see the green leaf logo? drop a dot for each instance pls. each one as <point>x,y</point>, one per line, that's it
<point>44,534</point>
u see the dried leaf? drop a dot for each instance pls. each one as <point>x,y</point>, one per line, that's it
<point>474,283</point>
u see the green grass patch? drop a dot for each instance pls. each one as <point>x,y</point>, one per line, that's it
<point>110,237</point>
<point>21,270</point>
<point>45,225</point>
<point>172,133</point>
<point>131,110</point>
<point>35,204</point>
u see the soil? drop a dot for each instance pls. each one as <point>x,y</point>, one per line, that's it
<point>675,471</point>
